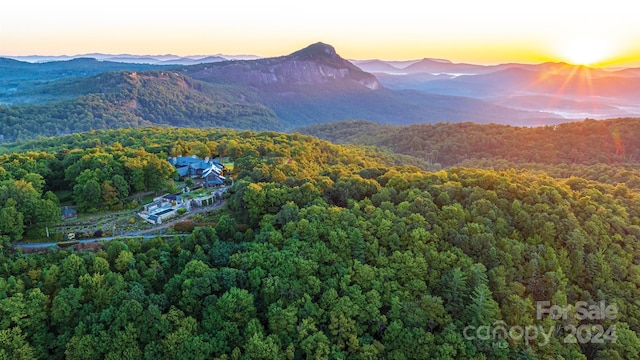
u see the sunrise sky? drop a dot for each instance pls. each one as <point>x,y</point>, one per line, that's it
<point>487,32</point>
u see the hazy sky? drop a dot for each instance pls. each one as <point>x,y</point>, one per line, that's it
<point>486,31</point>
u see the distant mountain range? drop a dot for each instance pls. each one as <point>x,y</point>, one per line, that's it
<point>137,59</point>
<point>438,66</point>
<point>309,86</point>
<point>571,91</point>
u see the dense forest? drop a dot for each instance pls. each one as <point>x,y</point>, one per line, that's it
<point>329,251</point>
<point>603,150</point>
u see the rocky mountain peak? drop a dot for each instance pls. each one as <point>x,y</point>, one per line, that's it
<point>316,65</point>
<point>316,51</point>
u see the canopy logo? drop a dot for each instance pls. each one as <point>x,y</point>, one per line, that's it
<point>583,323</point>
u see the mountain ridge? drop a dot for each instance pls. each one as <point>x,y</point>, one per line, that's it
<point>317,62</point>
<point>167,59</point>
<point>587,142</point>
<point>311,85</point>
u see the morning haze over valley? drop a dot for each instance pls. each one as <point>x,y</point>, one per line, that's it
<point>326,181</point>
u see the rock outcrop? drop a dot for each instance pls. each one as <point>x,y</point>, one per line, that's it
<point>315,65</point>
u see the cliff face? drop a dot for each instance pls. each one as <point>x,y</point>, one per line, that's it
<point>317,64</point>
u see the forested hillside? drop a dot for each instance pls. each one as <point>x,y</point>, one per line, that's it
<point>131,99</point>
<point>326,251</point>
<point>104,170</point>
<point>603,150</point>
<point>18,78</point>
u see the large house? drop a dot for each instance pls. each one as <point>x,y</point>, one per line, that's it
<point>210,170</point>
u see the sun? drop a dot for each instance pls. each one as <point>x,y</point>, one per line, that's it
<point>586,51</point>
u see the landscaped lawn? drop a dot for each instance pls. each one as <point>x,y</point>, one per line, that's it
<point>196,194</point>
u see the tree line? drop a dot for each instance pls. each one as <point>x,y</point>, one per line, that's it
<point>586,142</point>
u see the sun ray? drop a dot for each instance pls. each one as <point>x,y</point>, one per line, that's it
<point>576,84</point>
<point>560,91</point>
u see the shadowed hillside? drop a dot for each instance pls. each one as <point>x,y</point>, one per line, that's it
<point>126,99</point>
